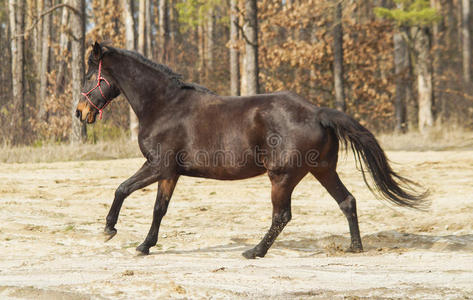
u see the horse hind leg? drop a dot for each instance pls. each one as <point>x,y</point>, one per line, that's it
<point>347,203</point>
<point>282,186</point>
<point>165,191</point>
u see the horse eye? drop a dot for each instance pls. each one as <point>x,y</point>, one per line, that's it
<point>89,75</point>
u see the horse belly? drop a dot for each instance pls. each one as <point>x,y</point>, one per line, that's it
<point>223,165</point>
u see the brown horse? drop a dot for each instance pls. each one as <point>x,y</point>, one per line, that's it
<point>185,129</point>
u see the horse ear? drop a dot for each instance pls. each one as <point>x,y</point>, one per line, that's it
<point>97,51</point>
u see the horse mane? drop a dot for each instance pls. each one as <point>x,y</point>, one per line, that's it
<point>174,77</point>
<point>197,87</point>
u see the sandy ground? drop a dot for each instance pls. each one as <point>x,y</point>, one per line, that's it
<point>52,216</point>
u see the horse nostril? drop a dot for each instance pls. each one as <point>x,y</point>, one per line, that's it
<point>78,113</point>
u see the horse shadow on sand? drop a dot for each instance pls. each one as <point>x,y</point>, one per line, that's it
<point>384,241</point>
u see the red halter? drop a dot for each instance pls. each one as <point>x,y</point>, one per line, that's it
<point>99,79</point>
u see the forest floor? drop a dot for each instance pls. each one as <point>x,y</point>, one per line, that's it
<point>52,216</point>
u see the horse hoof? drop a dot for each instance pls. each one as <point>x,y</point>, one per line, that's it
<point>249,254</point>
<point>142,250</point>
<point>109,234</point>
<point>354,249</point>
<point>252,254</point>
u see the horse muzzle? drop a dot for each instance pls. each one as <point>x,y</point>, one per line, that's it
<point>85,114</point>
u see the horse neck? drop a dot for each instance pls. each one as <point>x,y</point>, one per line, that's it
<point>145,88</point>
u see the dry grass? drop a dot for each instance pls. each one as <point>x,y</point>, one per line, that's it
<point>121,148</point>
<point>438,139</point>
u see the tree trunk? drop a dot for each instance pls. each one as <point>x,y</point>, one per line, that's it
<point>149,34</point>
<point>401,69</point>
<point>201,50</point>
<point>338,59</point>
<point>450,24</point>
<point>129,21</point>
<point>251,47</point>
<point>30,66</point>
<point>163,30</point>
<point>209,52</point>
<point>466,42</point>
<point>63,47</point>
<point>43,83</point>
<point>173,29</point>
<point>451,43</point>
<point>16,16</point>
<point>243,78</point>
<point>424,81</point>
<point>38,32</point>
<point>438,36</point>
<point>234,53</point>
<point>142,27</point>
<point>127,15</point>
<point>195,75</point>
<point>78,130</point>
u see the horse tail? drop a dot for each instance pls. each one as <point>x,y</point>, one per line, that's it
<point>367,151</point>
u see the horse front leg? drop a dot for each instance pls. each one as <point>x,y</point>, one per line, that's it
<point>165,190</point>
<point>145,176</point>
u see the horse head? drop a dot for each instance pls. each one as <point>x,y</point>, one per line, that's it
<point>98,91</point>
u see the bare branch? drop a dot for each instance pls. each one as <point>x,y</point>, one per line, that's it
<point>242,31</point>
<point>43,14</point>
<point>241,14</point>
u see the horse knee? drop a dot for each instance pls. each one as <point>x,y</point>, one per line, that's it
<point>283,218</point>
<point>121,192</point>
<point>348,206</point>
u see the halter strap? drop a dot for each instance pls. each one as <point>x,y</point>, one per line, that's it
<point>99,79</point>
